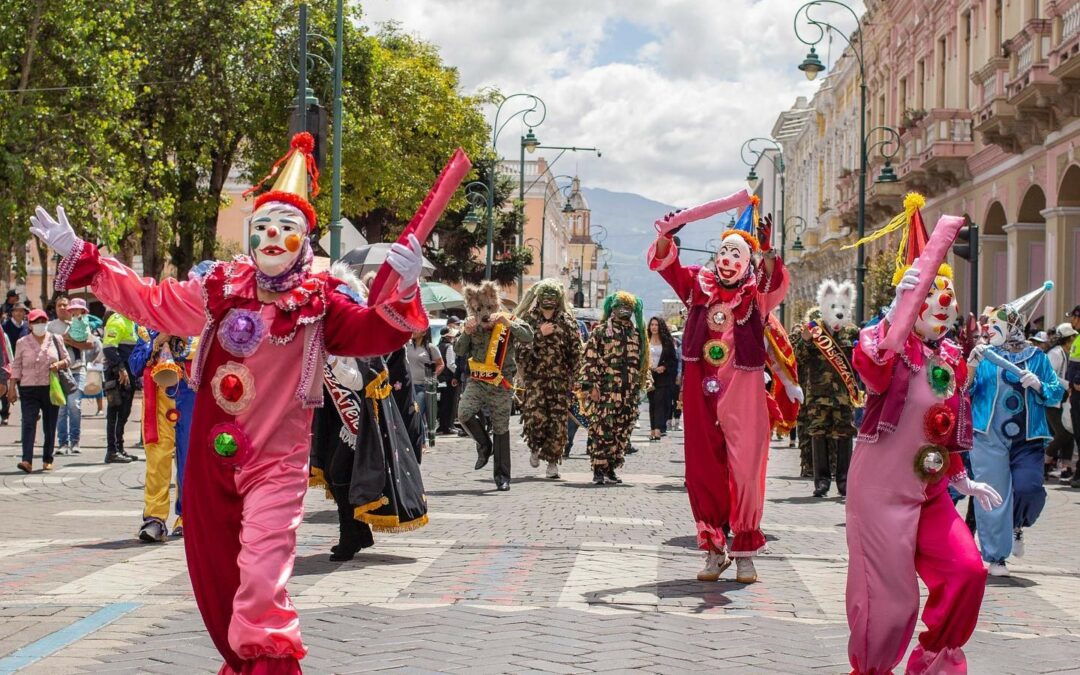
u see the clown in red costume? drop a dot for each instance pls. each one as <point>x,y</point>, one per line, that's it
<point>266,324</point>
<point>724,400</point>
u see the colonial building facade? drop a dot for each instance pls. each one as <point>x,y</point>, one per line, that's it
<point>985,96</point>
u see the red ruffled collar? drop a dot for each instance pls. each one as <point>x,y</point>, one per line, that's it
<point>304,304</point>
<point>740,298</point>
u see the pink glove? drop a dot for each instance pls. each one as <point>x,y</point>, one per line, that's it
<point>987,496</point>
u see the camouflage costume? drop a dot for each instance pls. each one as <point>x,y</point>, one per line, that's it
<point>616,363</point>
<point>828,407</point>
<point>549,366</point>
<point>826,429</point>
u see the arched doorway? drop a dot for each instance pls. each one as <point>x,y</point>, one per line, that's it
<point>1063,245</point>
<point>993,258</point>
<point>1027,247</point>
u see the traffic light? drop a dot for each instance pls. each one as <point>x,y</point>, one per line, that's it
<point>967,242</point>
<point>316,123</point>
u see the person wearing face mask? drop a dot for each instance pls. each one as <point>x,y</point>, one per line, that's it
<point>72,326</point>
<point>614,373</point>
<point>489,340</point>
<point>36,356</point>
<point>265,322</point>
<point>901,523</point>
<point>548,367</point>
<point>727,427</point>
<point>15,327</point>
<point>1013,384</point>
<point>823,350</point>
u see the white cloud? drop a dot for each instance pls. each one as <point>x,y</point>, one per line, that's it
<point>669,116</point>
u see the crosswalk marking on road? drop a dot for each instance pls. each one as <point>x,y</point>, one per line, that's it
<point>101,513</point>
<point>129,579</point>
<point>380,580</point>
<point>441,515</point>
<point>81,469</point>
<point>629,479</point>
<point>12,491</point>
<point>612,520</point>
<point>609,578</point>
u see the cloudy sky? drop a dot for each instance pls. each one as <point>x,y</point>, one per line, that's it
<point>667,89</point>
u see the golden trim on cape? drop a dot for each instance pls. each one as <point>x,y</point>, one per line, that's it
<point>716,352</point>
<point>931,463</point>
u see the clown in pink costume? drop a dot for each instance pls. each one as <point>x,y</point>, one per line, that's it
<point>724,400</point>
<point>901,523</point>
<point>267,324</point>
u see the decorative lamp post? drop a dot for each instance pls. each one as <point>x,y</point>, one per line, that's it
<point>567,208</point>
<point>748,151</point>
<point>533,115</point>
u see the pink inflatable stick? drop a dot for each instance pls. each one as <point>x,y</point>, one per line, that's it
<point>937,247</point>
<point>735,201</point>
<point>423,221</point>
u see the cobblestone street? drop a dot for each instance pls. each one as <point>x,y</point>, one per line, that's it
<point>554,576</point>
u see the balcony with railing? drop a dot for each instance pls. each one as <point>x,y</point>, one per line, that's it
<point>1031,85</point>
<point>996,118</point>
<point>1064,63</point>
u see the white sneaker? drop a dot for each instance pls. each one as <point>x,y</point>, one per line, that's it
<point>62,450</point>
<point>745,572</point>
<point>534,460</point>
<point>75,449</point>
<point>552,470</point>
<point>1018,543</point>
<point>999,570</point>
<point>715,564</point>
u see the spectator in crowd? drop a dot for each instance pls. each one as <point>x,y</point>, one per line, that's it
<point>1060,449</point>
<point>10,301</point>
<point>1072,380</point>
<point>36,355</point>
<point>15,327</point>
<point>94,387</point>
<point>449,378</point>
<point>424,361</point>
<point>664,364</point>
<point>71,326</point>
<point>120,339</point>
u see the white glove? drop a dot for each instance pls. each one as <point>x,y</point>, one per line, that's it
<point>57,234</point>
<point>977,353</point>
<point>408,262</point>
<point>987,496</point>
<point>907,282</point>
<point>346,372</point>
<point>795,393</point>
<point>1030,380</point>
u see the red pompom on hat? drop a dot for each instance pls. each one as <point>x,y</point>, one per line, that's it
<point>291,186</point>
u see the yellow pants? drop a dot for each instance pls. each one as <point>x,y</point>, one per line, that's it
<point>159,462</point>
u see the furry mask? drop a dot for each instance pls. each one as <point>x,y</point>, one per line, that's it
<point>482,302</point>
<point>836,301</point>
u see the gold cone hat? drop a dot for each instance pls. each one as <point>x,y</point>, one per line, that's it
<point>291,184</point>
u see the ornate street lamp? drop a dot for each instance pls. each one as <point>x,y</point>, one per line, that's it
<point>567,208</point>
<point>748,151</point>
<point>811,66</point>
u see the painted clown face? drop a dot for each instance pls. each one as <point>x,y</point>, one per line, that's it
<point>276,237</point>
<point>732,259</point>
<point>998,327</point>
<point>938,311</point>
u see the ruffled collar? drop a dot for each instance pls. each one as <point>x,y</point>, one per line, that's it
<point>303,304</point>
<point>740,297</point>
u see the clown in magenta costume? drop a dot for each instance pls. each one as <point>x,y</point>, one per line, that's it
<point>724,400</point>
<point>266,324</point>
<point>901,523</point>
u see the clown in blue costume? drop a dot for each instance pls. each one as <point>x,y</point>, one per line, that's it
<point>1012,386</point>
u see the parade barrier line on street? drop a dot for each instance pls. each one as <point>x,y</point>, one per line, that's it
<point>54,642</point>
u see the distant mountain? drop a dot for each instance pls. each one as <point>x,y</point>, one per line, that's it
<point>628,219</point>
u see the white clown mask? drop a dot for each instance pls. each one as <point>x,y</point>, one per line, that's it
<point>276,237</point>
<point>732,259</point>
<point>938,312</point>
<point>998,327</point>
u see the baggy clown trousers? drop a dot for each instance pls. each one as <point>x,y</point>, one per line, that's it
<point>726,445</point>
<point>900,528</point>
<point>171,443</point>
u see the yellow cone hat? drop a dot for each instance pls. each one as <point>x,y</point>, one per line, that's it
<point>291,184</point>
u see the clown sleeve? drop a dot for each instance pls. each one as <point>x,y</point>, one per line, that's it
<point>681,279</point>
<point>773,287</point>
<point>874,366</point>
<point>168,306</point>
<point>357,330</point>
